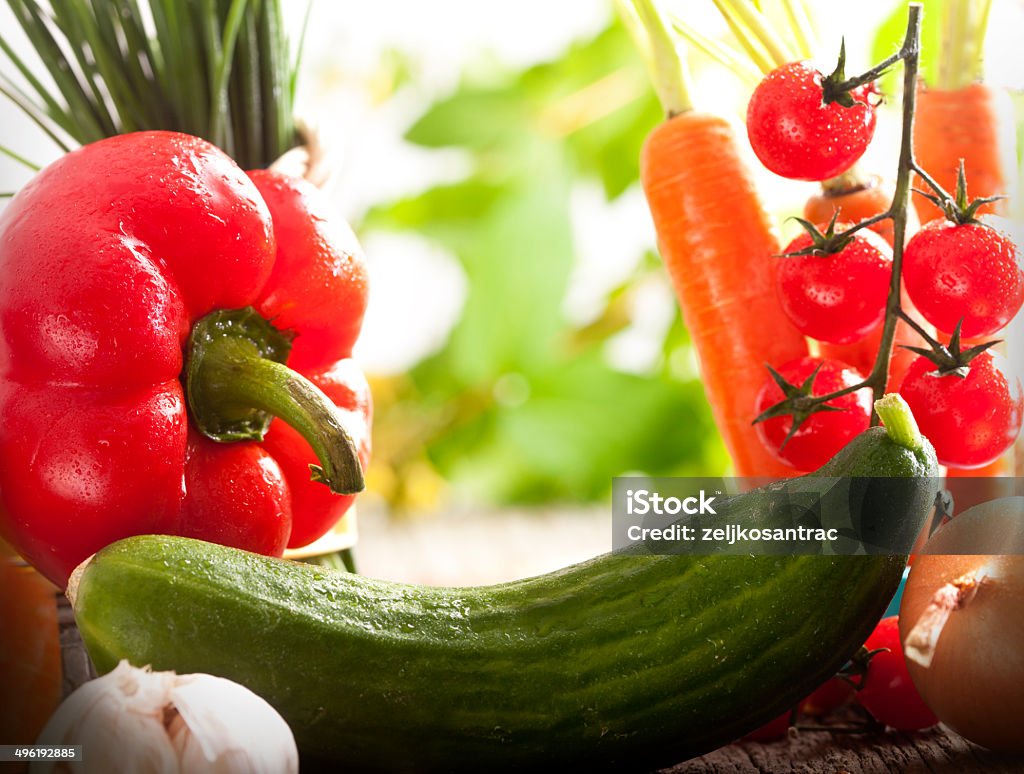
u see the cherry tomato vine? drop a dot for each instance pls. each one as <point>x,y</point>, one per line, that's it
<point>803,407</point>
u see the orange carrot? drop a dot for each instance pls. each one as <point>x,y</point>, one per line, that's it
<point>718,245</point>
<point>857,198</point>
<point>30,668</point>
<point>953,125</point>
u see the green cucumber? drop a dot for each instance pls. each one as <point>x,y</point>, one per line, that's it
<point>621,661</point>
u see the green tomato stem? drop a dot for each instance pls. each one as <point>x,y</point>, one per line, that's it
<point>900,202</point>
<point>909,54</point>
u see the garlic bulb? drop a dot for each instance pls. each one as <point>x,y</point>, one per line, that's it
<point>135,720</point>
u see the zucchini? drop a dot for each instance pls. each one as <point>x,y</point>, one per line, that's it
<point>621,661</point>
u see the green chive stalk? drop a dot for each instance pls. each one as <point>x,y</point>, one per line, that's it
<point>219,69</point>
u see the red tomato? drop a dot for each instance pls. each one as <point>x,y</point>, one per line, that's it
<point>771,731</point>
<point>887,691</point>
<point>829,696</point>
<point>837,298</point>
<point>825,433</point>
<point>970,421</point>
<point>971,271</point>
<point>797,136</point>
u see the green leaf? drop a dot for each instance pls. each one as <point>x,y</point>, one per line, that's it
<point>582,424</point>
<point>438,208</point>
<point>598,101</point>
<point>518,269</point>
<point>610,148</point>
<point>474,118</point>
<point>578,422</point>
<point>889,38</point>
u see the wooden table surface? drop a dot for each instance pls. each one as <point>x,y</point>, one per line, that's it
<point>936,751</point>
<point>481,548</point>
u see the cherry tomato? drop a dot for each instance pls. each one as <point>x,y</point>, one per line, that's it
<point>824,433</point>
<point>829,696</point>
<point>887,691</point>
<point>837,298</point>
<point>797,136</point>
<point>970,421</point>
<point>971,271</point>
<point>772,731</point>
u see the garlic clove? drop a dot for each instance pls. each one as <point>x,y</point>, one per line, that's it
<point>143,722</point>
<point>227,729</point>
<point>123,741</point>
<point>118,720</point>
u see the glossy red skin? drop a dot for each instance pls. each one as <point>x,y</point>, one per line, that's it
<point>972,272</point>
<point>106,260</point>
<point>343,382</point>
<point>837,298</point>
<point>887,691</point>
<point>828,697</point>
<point>825,433</point>
<point>245,474</point>
<point>318,285</point>
<point>969,421</point>
<point>796,136</point>
<point>772,731</point>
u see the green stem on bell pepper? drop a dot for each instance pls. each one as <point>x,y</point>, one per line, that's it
<point>236,382</point>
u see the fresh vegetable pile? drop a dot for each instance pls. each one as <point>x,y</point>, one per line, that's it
<point>629,661</point>
<point>862,280</point>
<point>839,284</point>
<point>178,404</point>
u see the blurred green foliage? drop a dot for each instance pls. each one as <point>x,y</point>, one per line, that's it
<point>889,38</point>
<point>519,405</point>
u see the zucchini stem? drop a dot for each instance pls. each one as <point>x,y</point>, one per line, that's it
<point>899,421</point>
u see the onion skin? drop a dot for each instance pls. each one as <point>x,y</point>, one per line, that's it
<point>975,683</point>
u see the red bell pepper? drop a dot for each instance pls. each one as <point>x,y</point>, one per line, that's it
<point>158,308</point>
